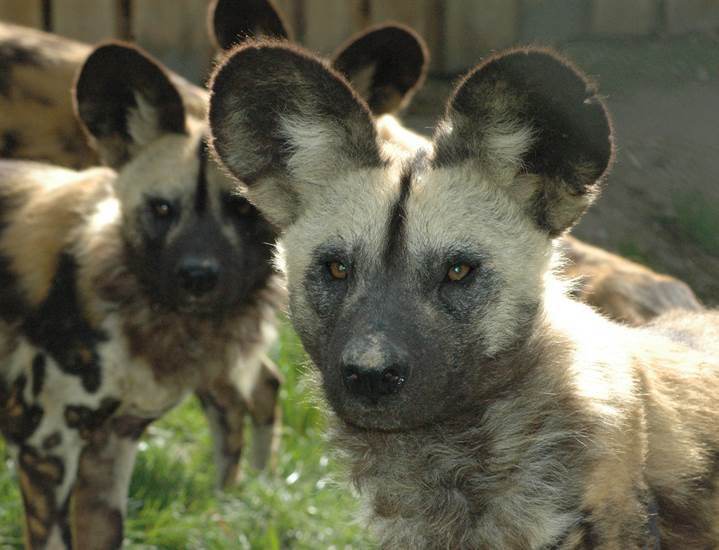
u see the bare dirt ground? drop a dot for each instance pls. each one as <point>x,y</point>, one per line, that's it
<point>660,206</point>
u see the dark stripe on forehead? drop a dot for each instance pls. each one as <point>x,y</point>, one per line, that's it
<point>397,217</point>
<point>201,187</point>
<point>395,224</point>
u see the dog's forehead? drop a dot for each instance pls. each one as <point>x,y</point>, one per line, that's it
<point>456,205</point>
<point>172,165</point>
<point>353,209</point>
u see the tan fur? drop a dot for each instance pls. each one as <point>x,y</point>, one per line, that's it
<point>63,204</point>
<point>622,289</point>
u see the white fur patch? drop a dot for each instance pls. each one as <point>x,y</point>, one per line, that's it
<point>143,122</point>
<point>307,144</point>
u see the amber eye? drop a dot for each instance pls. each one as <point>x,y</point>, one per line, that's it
<point>244,208</point>
<point>161,209</point>
<point>338,270</point>
<point>457,272</point>
<point>241,206</point>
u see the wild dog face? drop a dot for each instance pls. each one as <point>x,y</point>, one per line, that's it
<point>412,283</point>
<point>195,244</point>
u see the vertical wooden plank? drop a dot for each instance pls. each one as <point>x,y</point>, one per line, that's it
<point>328,23</point>
<point>476,27</point>
<point>424,16</point>
<point>86,20</point>
<point>175,31</point>
<point>22,12</point>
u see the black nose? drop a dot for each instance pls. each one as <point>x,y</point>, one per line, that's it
<point>374,382</point>
<point>198,277</point>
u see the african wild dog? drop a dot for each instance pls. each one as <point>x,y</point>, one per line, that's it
<point>122,291</point>
<point>477,405</point>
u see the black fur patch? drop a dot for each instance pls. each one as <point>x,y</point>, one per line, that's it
<point>130,426</point>
<point>40,477</point>
<point>51,441</point>
<point>9,143</point>
<point>38,373</point>
<point>12,304</point>
<point>86,420</point>
<point>13,53</point>
<point>18,419</point>
<point>590,535</point>
<point>395,223</point>
<point>59,327</point>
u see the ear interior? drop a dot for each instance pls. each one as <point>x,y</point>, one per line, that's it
<point>233,21</point>
<point>125,100</point>
<point>530,112</point>
<point>285,124</point>
<point>385,65</point>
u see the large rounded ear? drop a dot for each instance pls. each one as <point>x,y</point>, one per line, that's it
<point>232,21</point>
<point>125,100</point>
<point>530,113</point>
<point>286,125</point>
<point>385,65</point>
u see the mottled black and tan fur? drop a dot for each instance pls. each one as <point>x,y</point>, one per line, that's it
<point>122,291</point>
<point>476,404</point>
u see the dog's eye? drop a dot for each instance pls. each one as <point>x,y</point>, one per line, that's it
<point>244,208</point>
<point>458,271</point>
<point>338,270</point>
<point>161,209</point>
<point>237,206</point>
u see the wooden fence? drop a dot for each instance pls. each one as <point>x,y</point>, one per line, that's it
<point>457,31</point>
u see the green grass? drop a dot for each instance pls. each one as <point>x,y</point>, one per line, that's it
<point>173,503</point>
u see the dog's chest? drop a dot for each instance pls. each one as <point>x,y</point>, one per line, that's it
<point>432,491</point>
<point>47,393</point>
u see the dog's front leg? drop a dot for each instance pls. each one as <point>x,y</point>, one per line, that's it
<point>99,500</point>
<point>266,413</point>
<point>46,479</point>
<point>225,409</point>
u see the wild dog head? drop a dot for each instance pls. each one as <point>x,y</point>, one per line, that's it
<point>412,283</point>
<point>194,243</point>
